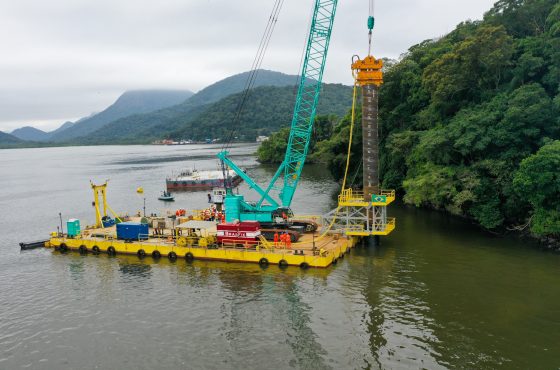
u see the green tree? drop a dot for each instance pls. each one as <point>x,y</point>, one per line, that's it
<point>273,149</point>
<point>538,180</point>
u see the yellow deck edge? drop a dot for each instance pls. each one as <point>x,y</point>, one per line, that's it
<point>220,254</point>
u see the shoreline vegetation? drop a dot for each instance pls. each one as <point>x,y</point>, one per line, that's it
<point>469,123</point>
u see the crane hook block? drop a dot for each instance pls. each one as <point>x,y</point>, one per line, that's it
<point>370,23</point>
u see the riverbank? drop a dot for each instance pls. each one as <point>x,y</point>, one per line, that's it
<point>271,153</point>
<point>548,243</point>
<point>32,145</point>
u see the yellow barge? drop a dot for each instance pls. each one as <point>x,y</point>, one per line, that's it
<point>192,237</point>
<point>313,250</point>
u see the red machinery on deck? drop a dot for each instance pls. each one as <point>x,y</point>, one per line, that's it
<point>246,233</point>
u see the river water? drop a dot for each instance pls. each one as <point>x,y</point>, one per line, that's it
<point>438,293</point>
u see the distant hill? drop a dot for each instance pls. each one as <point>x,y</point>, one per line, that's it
<point>7,140</point>
<point>268,108</point>
<point>30,133</point>
<point>145,127</point>
<point>64,126</point>
<point>236,83</point>
<point>129,103</point>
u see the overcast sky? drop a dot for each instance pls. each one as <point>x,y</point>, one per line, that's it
<point>63,59</point>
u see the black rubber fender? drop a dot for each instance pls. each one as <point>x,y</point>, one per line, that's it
<point>82,249</point>
<point>172,256</point>
<point>283,263</point>
<point>63,247</point>
<point>189,256</point>
<point>156,255</point>
<point>304,265</point>
<point>111,251</point>
<point>263,262</point>
<point>141,253</point>
<point>95,249</point>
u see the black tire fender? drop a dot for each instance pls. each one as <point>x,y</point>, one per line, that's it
<point>172,256</point>
<point>189,256</point>
<point>141,253</point>
<point>95,249</point>
<point>111,251</point>
<point>263,262</point>
<point>283,263</point>
<point>83,249</point>
<point>304,265</point>
<point>156,255</point>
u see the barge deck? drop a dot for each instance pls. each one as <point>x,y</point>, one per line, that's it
<point>312,250</point>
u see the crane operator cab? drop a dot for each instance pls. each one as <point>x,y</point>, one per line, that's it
<point>282,215</point>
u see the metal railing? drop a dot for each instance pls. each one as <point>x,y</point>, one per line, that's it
<point>350,195</point>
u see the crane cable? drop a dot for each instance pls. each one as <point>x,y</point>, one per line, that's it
<point>257,62</point>
<point>354,93</point>
<point>371,23</point>
<point>348,155</point>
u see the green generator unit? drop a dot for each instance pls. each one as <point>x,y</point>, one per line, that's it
<point>73,226</point>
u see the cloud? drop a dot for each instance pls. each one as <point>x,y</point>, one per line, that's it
<point>63,59</point>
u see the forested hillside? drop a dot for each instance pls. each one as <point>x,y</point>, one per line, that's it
<point>267,109</point>
<point>144,128</point>
<point>469,121</point>
<point>461,113</point>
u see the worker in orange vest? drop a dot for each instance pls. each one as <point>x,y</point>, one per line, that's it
<point>276,237</point>
<point>288,241</point>
<point>285,239</point>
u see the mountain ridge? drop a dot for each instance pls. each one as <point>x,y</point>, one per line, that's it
<point>267,109</point>
<point>174,115</point>
<point>128,103</point>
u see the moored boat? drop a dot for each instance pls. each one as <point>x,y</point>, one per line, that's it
<point>205,179</point>
<point>166,196</point>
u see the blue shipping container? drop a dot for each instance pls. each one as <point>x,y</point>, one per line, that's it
<point>132,231</point>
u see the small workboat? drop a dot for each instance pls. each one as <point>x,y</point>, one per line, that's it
<point>166,196</point>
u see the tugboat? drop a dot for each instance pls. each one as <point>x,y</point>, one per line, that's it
<point>166,196</point>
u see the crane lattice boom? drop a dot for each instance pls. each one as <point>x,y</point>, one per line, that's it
<point>301,127</point>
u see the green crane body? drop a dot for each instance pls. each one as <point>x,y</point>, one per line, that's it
<point>303,118</point>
